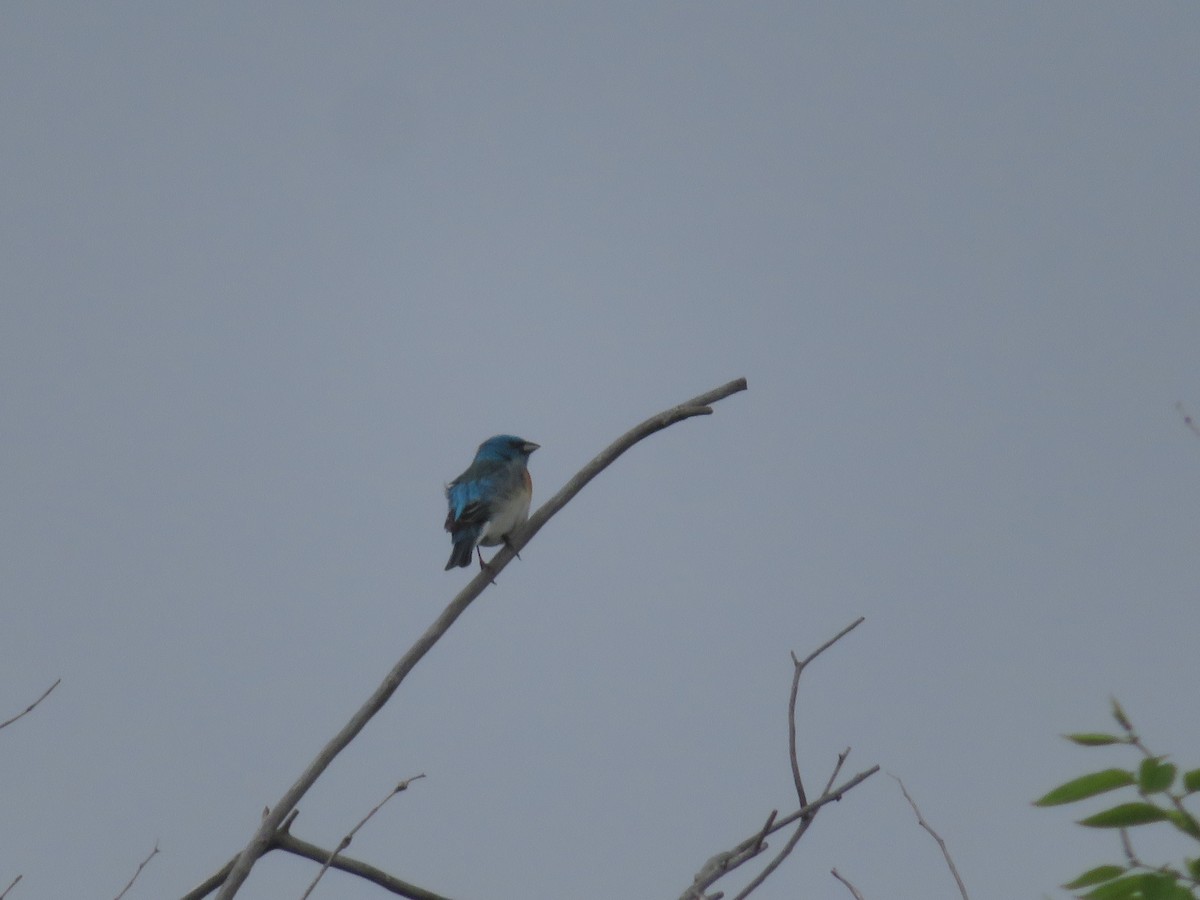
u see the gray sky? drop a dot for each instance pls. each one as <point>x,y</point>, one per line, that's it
<point>270,273</point>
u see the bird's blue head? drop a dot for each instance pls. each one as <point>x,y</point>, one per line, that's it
<point>506,447</point>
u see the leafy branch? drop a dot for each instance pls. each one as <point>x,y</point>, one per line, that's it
<point>1160,790</point>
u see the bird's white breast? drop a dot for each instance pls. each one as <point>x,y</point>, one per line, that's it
<point>507,517</point>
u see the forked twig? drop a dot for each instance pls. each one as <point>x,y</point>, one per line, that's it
<point>799,665</point>
<point>723,863</point>
<point>287,842</point>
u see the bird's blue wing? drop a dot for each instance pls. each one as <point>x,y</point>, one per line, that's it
<point>468,502</point>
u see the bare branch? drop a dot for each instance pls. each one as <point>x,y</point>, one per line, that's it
<point>795,758</point>
<point>799,668</point>
<point>775,863</point>
<point>765,830</point>
<point>826,798</point>
<point>841,760</point>
<point>211,883</point>
<point>962,888</point>
<point>853,890</point>
<point>345,841</point>
<point>833,640</point>
<point>12,884</point>
<point>26,712</point>
<point>723,863</point>
<point>289,843</point>
<point>806,820</point>
<point>261,839</point>
<point>141,866</point>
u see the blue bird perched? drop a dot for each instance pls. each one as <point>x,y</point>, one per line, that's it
<point>490,498</point>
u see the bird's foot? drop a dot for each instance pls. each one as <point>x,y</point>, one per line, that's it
<point>485,567</point>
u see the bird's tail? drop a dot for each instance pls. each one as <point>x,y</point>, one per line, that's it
<point>461,554</point>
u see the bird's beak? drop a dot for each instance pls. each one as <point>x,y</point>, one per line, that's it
<point>529,446</point>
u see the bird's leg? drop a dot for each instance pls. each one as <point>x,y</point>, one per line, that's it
<point>484,567</point>
<point>509,544</point>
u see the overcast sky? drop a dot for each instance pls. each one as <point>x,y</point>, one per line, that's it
<point>271,271</point>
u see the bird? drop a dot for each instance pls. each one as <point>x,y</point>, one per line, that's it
<point>489,499</point>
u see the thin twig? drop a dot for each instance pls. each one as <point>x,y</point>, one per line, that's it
<point>345,841</point>
<point>141,866</point>
<point>853,890</point>
<point>962,888</point>
<point>795,758</point>
<point>12,884</point>
<point>765,830</point>
<point>261,838</point>
<point>1127,845</point>
<point>26,712</point>
<point>841,760</point>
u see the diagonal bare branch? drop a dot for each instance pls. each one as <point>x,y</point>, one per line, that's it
<point>962,888</point>
<point>853,890</point>
<point>26,711</point>
<point>12,884</point>
<point>141,866</point>
<point>261,839</point>
<point>289,843</point>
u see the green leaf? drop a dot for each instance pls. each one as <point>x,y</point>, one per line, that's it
<point>1125,816</point>
<point>1094,739</point>
<point>1086,786</point>
<point>1140,886</point>
<point>1095,876</point>
<point>1154,777</point>
<point>1193,866</point>
<point>1191,781</point>
<point>1184,822</point>
<point>1127,888</point>
<point>1158,886</point>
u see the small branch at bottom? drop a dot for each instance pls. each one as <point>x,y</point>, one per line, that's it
<point>853,890</point>
<point>141,866</point>
<point>962,888</point>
